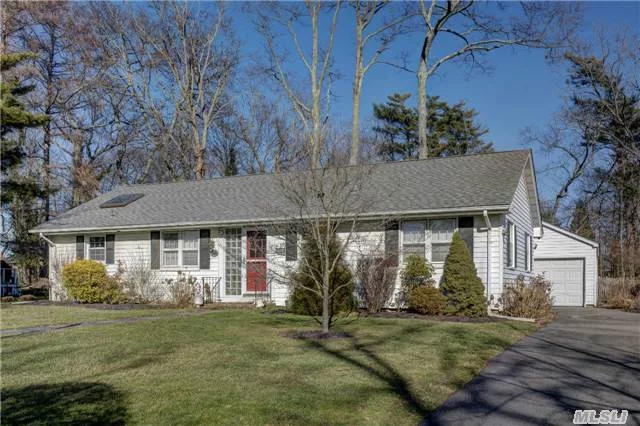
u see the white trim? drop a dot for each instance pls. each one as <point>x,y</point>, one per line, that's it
<point>87,247</point>
<point>570,234</point>
<point>180,249</point>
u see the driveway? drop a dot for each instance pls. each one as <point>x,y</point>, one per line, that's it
<point>588,358</point>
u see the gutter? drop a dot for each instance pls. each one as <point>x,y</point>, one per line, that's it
<point>487,222</point>
<point>274,221</point>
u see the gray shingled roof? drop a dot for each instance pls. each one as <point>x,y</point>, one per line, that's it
<point>433,185</point>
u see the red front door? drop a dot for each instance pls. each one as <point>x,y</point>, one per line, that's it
<point>256,261</point>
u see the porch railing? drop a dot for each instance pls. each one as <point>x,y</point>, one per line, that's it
<point>210,289</point>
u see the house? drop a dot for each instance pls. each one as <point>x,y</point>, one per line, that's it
<point>8,279</point>
<point>223,231</point>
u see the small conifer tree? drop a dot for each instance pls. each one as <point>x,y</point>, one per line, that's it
<point>307,298</point>
<point>460,282</point>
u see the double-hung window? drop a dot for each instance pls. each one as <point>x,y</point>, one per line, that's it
<point>413,238</point>
<point>441,235</point>
<point>180,249</point>
<point>511,245</point>
<point>97,248</point>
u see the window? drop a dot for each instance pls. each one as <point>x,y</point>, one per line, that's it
<point>97,248</point>
<point>233,262</point>
<point>291,246</point>
<point>190,247</point>
<point>441,235</point>
<point>511,245</point>
<point>528,245</point>
<point>180,248</point>
<point>413,239</point>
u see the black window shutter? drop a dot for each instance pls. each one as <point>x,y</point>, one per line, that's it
<point>79,247</point>
<point>110,241</point>
<point>391,243</point>
<point>291,246</point>
<point>465,228</point>
<point>204,249</point>
<point>155,249</point>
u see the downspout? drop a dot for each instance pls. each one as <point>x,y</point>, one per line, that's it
<point>53,245</point>
<point>487,222</point>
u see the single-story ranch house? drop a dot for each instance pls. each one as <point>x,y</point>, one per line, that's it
<point>221,232</point>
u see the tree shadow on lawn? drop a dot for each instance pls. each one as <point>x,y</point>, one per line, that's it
<point>72,403</point>
<point>361,353</point>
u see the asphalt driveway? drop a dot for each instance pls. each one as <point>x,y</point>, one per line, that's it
<point>588,358</point>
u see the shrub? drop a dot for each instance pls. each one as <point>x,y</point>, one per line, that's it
<point>376,282</point>
<point>182,291</point>
<point>141,281</point>
<point>616,292</point>
<point>531,300</point>
<point>87,281</point>
<point>7,299</point>
<point>416,272</point>
<point>27,298</point>
<point>426,300</point>
<point>305,298</point>
<point>461,285</point>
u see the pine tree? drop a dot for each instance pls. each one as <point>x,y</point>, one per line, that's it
<point>20,191</point>
<point>306,298</point>
<point>452,130</point>
<point>460,282</point>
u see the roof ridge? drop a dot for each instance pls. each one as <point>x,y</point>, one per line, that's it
<point>376,164</point>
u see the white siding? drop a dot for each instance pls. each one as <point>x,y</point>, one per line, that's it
<point>367,240</point>
<point>556,245</point>
<point>129,248</point>
<point>480,252</point>
<point>520,215</point>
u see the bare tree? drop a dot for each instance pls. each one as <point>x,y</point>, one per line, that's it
<point>317,62</point>
<point>476,30</point>
<point>367,34</point>
<point>329,208</point>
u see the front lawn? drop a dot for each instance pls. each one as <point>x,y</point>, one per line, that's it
<point>235,367</point>
<point>31,315</point>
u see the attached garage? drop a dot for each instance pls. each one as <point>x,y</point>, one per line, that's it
<point>571,263</point>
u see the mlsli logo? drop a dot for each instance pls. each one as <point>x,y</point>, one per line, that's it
<point>605,417</point>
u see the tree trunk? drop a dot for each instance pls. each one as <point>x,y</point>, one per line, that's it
<point>200,166</point>
<point>422,104</point>
<point>325,303</point>
<point>315,93</point>
<point>355,110</point>
<point>76,165</point>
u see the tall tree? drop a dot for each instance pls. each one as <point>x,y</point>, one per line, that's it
<point>315,57</point>
<point>452,129</point>
<point>595,143</point>
<point>475,30</point>
<point>19,190</point>
<point>382,35</point>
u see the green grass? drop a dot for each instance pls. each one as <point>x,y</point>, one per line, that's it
<point>20,316</point>
<point>235,367</point>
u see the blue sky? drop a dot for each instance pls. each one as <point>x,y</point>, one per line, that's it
<point>522,90</point>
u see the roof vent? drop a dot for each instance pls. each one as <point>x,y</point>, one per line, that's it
<point>121,200</point>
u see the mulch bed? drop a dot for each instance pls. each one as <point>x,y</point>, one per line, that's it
<point>446,318</point>
<point>316,335</point>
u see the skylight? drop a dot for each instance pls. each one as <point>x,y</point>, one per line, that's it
<point>121,200</point>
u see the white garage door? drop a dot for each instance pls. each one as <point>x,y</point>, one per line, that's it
<point>567,280</point>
